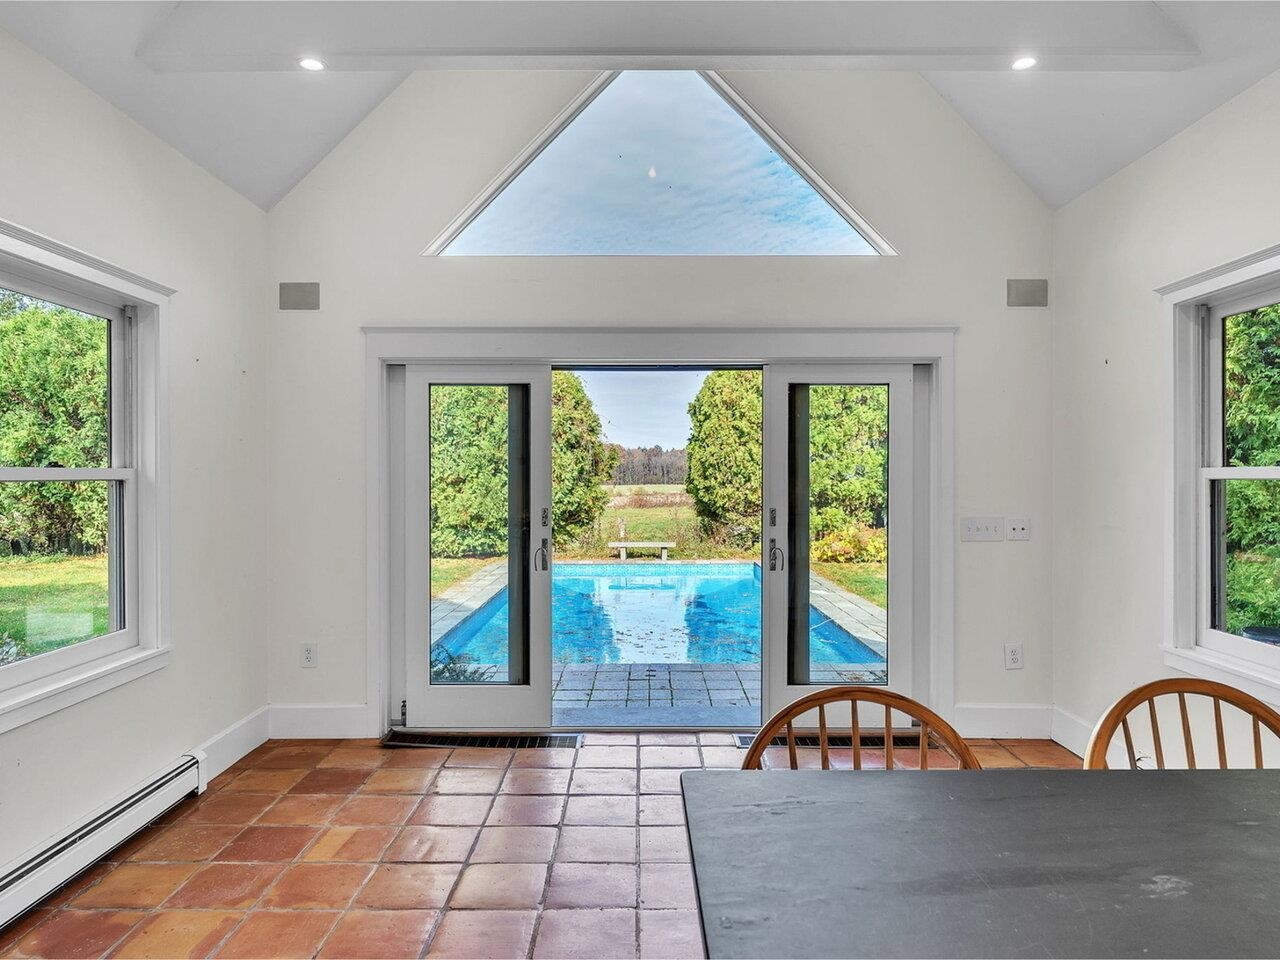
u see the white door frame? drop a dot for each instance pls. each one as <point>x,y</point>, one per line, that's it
<point>898,378</point>
<point>930,349</point>
<point>500,706</point>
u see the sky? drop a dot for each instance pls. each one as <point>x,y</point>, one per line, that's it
<point>643,408</point>
<point>659,164</point>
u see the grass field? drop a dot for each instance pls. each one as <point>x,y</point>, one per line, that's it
<point>655,511</point>
<point>64,598</point>
<point>446,571</point>
<point>867,580</point>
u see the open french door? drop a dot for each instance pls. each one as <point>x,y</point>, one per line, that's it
<point>821,629</point>
<point>477,555</point>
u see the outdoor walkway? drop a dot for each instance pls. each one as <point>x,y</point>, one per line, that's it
<point>465,598</point>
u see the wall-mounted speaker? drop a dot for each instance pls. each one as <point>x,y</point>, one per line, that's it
<point>1026,293</point>
<point>299,296</point>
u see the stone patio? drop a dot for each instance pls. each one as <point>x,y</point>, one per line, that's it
<point>655,694</point>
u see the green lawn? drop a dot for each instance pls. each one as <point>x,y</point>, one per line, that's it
<point>52,588</point>
<point>867,580</point>
<point>446,571</point>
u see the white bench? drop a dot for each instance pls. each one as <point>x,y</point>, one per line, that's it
<point>622,546</point>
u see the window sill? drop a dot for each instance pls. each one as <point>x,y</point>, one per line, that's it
<point>1253,678</point>
<point>39,698</point>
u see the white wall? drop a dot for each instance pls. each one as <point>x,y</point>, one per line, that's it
<point>76,169</point>
<point>1207,196</point>
<point>961,219</point>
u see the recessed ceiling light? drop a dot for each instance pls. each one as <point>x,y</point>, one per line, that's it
<point>313,63</point>
<point>1024,63</point>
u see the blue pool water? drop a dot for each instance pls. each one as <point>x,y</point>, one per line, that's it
<point>651,613</point>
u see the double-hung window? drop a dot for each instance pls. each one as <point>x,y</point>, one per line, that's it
<point>67,487</point>
<point>82,506</point>
<point>1238,485</point>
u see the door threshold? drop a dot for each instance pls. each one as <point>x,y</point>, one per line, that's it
<point>400,736</point>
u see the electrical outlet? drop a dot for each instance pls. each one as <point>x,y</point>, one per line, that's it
<point>983,528</point>
<point>1013,656</point>
<point>1019,528</point>
<point>310,654</point>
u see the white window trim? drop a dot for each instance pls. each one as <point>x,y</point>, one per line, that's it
<point>40,267</point>
<point>933,347</point>
<point>1190,644</point>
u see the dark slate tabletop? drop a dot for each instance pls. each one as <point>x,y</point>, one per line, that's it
<point>991,863</point>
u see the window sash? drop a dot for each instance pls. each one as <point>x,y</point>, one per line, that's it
<point>1212,410</point>
<point>122,546</point>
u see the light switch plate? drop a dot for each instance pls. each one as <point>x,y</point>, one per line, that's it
<point>982,528</point>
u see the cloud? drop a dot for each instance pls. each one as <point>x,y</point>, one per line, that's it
<point>659,164</point>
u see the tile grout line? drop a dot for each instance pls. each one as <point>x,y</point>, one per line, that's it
<point>555,849</point>
<point>445,907</point>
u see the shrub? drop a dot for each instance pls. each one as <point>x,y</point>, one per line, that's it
<point>853,544</point>
<point>448,668</point>
<point>1253,591</point>
<point>469,473</point>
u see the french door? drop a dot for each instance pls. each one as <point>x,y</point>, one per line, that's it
<point>839,502</point>
<point>839,479</point>
<point>477,546</point>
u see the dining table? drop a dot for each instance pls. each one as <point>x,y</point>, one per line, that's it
<point>986,863</point>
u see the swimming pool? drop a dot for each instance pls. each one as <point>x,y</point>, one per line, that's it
<point>669,612</point>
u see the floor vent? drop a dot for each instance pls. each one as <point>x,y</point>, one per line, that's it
<point>870,742</point>
<point>412,738</point>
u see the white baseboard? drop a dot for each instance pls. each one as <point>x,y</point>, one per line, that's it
<point>43,868</point>
<point>300,721</point>
<point>225,748</point>
<point>1070,731</point>
<point>1021,720</point>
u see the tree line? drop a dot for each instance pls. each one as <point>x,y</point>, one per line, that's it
<point>650,465</point>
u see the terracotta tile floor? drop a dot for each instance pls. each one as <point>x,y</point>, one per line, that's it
<point>344,849</point>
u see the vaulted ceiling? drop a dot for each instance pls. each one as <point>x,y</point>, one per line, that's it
<point>220,81</point>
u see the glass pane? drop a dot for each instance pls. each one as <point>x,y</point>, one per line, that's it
<point>838,628</point>
<point>655,594</point>
<point>54,566</point>
<point>53,385</point>
<point>479,533</point>
<point>1251,388</point>
<point>1247,572</point>
<point>659,164</point>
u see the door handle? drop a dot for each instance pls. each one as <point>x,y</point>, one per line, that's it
<point>777,558</point>
<point>541,556</point>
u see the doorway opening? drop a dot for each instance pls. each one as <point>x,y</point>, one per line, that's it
<point>607,543</point>
<point>656,497</point>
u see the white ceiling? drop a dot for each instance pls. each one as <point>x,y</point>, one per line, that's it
<point>219,80</point>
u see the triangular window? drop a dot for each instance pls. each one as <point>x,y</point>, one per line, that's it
<point>659,163</point>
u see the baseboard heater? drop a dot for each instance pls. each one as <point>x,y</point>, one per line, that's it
<point>38,873</point>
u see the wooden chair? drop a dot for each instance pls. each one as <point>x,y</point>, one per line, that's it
<point>930,725</point>
<point>1118,718</point>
